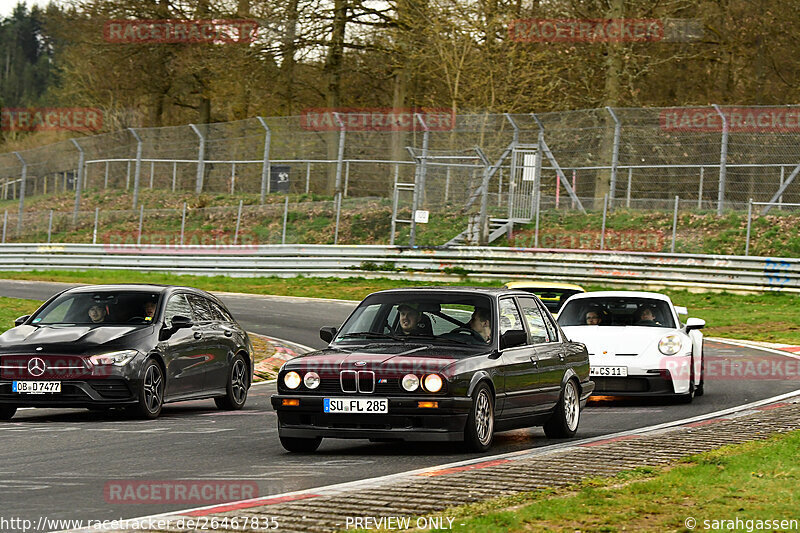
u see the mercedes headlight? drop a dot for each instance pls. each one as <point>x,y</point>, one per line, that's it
<point>670,344</point>
<point>120,358</point>
<point>410,382</point>
<point>292,379</point>
<point>311,380</point>
<point>433,383</point>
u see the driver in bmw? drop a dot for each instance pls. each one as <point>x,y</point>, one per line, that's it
<point>481,323</point>
<point>409,318</point>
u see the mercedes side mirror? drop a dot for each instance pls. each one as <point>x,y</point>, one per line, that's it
<point>180,321</point>
<point>327,333</point>
<point>21,320</point>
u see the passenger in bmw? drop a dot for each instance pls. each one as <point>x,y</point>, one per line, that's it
<point>481,323</point>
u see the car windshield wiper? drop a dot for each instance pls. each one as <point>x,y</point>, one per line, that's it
<point>372,335</point>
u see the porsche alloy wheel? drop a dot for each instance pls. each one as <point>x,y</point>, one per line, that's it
<point>479,432</point>
<point>565,419</point>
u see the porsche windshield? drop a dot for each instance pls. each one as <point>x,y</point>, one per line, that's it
<point>617,311</point>
<point>99,308</point>
<point>430,318</point>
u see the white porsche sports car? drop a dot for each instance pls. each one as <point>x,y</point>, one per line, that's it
<point>637,344</point>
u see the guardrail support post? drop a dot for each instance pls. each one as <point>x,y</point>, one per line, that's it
<point>749,223</point>
<point>201,160</point>
<point>338,187</point>
<point>137,173</point>
<point>723,159</point>
<point>266,168</point>
<point>614,156</point>
<point>674,226</point>
<point>23,179</point>
<point>78,181</point>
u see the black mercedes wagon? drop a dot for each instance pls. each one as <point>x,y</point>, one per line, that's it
<point>130,346</point>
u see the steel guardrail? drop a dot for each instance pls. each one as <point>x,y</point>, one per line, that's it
<point>631,269</point>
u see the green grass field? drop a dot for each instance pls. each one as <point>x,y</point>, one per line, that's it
<point>752,481</point>
<point>772,316</point>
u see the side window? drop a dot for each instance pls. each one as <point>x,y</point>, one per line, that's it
<point>201,308</point>
<point>552,329</point>
<point>218,312</point>
<point>177,305</point>
<point>509,316</point>
<point>536,323</point>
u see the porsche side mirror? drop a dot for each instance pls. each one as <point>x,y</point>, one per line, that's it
<point>21,320</point>
<point>327,333</point>
<point>695,323</point>
<point>512,338</point>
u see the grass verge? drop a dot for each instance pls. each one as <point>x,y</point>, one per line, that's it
<point>772,316</point>
<point>749,482</point>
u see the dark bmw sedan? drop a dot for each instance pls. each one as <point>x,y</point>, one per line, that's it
<point>130,346</point>
<point>440,364</point>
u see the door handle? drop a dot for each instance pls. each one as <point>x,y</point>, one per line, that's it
<point>198,334</point>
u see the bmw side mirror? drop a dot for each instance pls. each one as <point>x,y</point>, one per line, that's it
<point>180,321</point>
<point>21,320</point>
<point>512,338</point>
<point>695,323</point>
<point>327,333</point>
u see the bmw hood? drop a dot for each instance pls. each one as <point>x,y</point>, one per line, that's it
<point>74,339</point>
<point>408,360</point>
<point>628,340</point>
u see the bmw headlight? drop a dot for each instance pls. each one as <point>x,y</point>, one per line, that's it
<point>120,358</point>
<point>433,383</point>
<point>410,382</point>
<point>311,380</point>
<point>292,379</point>
<point>670,344</point>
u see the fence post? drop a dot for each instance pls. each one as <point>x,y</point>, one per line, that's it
<point>152,172</point>
<point>5,223</point>
<point>138,170</point>
<point>23,179</point>
<point>285,218</point>
<point>338,187</point>
<point>238,223</point>
<point>614,156</point>
<point>50,227</point>
<point>105,179</point>
<point>346,177</point>
<point>94,231</point>
<point>128,176</point>
<point>483,238</point>
<point>628,195</point>
<point>141,221</point>
<point>700,191</point>
<point>603,229</point>
<point>512,175</point>
<point>723,159</point>
<point>79,181</point>
<point>233,177</point>
<point>780,198</point>
<point>674,226</point>
<point>749,219</point>
<point>174,174</point>
<point>419,179</point>
<point>308,175</point>
<point>266,169</point>
<point>201,160</point>
<point>183,222</point>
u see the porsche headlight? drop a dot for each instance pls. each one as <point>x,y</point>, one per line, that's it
<point>670,344</point>
<point>120,358</point>
<point>433,383</point>
<point>292,379</point>
<point>311,380</point>
<point>410,382</point>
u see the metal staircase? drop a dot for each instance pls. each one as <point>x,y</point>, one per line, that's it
<point>497,228</point>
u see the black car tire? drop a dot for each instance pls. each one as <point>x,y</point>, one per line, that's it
<point>567,415</point>
<point>300,445</point>
<point>700,389</point>
<point>479,432</point>
<point>151,392</point>
<point>7,411</point>
<point>236,387</point>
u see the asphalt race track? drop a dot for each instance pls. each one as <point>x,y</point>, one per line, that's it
<point>56,463</point>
